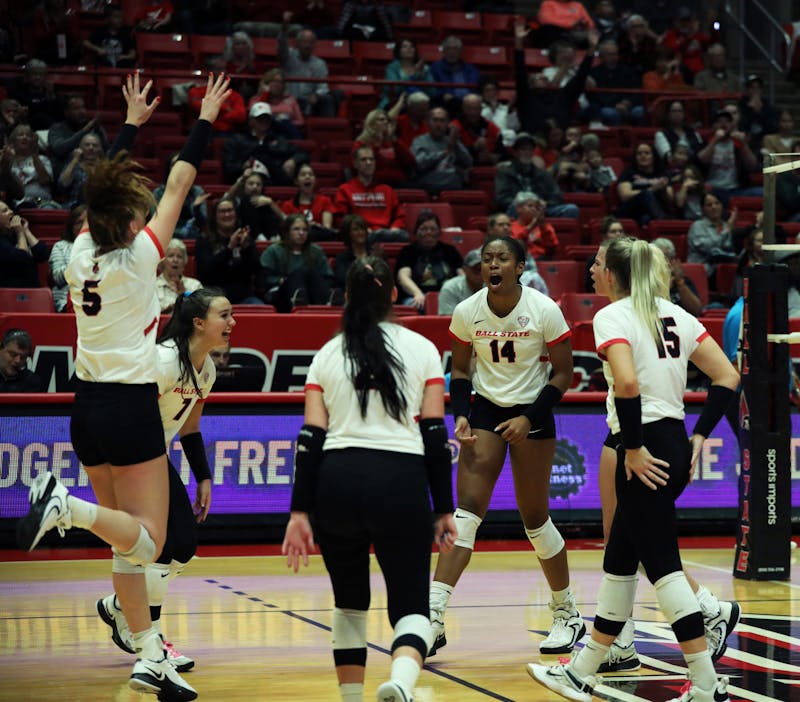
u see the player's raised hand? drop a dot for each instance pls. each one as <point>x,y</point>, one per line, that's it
<point>217,92</point>
<point>139,110</point>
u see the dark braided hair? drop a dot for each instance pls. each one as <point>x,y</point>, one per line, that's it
<point>180,327</point>
<point>373,364</point>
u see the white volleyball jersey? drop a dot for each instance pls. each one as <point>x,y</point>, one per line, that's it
<point>660,372</point>
<point>116,309</point>
<point>177,398</point>
<point>330,373</point>
<point>513,361</point>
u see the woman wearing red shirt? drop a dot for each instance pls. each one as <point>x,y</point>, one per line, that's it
<point>393,161</point>
<point>530,228</point>
<point>316,208</point>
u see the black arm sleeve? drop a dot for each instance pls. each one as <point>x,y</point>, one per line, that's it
<point>716,405</point>
<point>195,452</point>
<point>460,391</point>
<point>307,459</point>
<point>629,413</point>
<point>438,463</point>
<point>542,407</point>
<point>125,139</point>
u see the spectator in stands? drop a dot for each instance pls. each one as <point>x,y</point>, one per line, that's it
<point>685,39</point>
<point>563,69</point>
<point>689,193</point>
<point>424,265</point>
<point>15,376</point>
<point>521,174</point>
<point>255,210</point>
<point>460,287</point>
<point>23,163</point>
<point>605,19</point>
<point>258,19</point>
<point>538,102</point>
<point>293,270</point>
<point>601,175</point>
<point>64,137</point>
<point>752,253</point>
<point>20,251</point>
<point>566,20</point>
<point>355,234</point>
<point>757,115</point>
<point>377,203</point>
<point>676,131</point>
<point>317,209</point>
<point>194,213</point>
<point>11,114</point>
<point>56,34</point>
<point>619,106</point>
<point>787,195</point>
<point>571,172</point>
<point>406,66</point>
<point>502,114</point>
<point>679,158</point>
<point>611,228</point>
<point>233,113</point>
<point>530,227</point>
<point>643,189</point>
<point>112,45</point>
<point>364,20</point>
<point>226,255</point>
<point>154,16</point>
<point>637,45</point>
<point>394,163</point>
<point>729,160</point>
<point>35,92</point>
<point>287,117</point>
<point>261,143</point>
<point>716,77</point>
<point>785,141</point>
<point>498,224</point>
<point>665,75</point>
<point>709,238</point>
<point>682,291</point>
<point>442,160</point>
<point>60,253</point>
<point>74,175</point>
<point>172,282</point>
<point>452,69</point>
<point>481,137</point>
<point>414,122</point>
<point>301,62</point>
<point>240,60</point>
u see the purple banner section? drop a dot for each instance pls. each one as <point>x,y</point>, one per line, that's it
<point>251,457</point>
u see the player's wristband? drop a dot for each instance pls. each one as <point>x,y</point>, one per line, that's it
<point>629,413</point>
<point>195,451</point>
<point>307,459</point>
<point>460,392</point>
<point>125,139</point>
<point>716,405</point>
<point>542,407</point>
<point>195,146</point>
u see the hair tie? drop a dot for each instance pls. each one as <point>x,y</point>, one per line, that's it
<point>374,277</point>
<point>187,293</point>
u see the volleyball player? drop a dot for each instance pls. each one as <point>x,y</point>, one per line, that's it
<point>719,617</point>
<point>517,335</point>
<point>372,446</point>
<point>648,342</point>
<point>116,428</point>
<point>201,321</point>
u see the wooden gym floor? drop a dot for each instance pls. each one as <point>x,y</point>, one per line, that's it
<point>258,632</point>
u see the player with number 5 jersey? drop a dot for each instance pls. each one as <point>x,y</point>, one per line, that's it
<point>116,428</point>
<point>521,344</point>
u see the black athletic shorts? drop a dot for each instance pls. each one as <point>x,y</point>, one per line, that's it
<point>487,415</point>
<point>116,423</point>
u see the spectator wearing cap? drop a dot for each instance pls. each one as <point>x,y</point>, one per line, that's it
<point>716,77</point>
<point>300,61</point>
<point>686,40</point>
<point>452,69</point>
<point>540,101</point>
<point>442,160</point>
<point>261,143</point>
<point>414,122</point>
<point>757,116</point>
<point>287,117</point>
<point>460,287</point>
<point>530,227</point>
<point>377,203</point>
<point>15,376</point>
<point>521,174</point>
<point>481,137</point>
<point>729,160</point>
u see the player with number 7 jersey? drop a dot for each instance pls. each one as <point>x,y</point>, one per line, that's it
<point>521,343</point>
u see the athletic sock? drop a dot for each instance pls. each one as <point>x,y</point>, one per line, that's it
<point>148,644</point>
<point>701,669</point>
<point>563,596</point>
<point>352,692</point>
<point>405,670</point>
<point>83,513</point>
<point>440,596</point>
<point>588,659</point>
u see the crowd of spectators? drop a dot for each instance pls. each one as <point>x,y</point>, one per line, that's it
<point>433,124</point>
